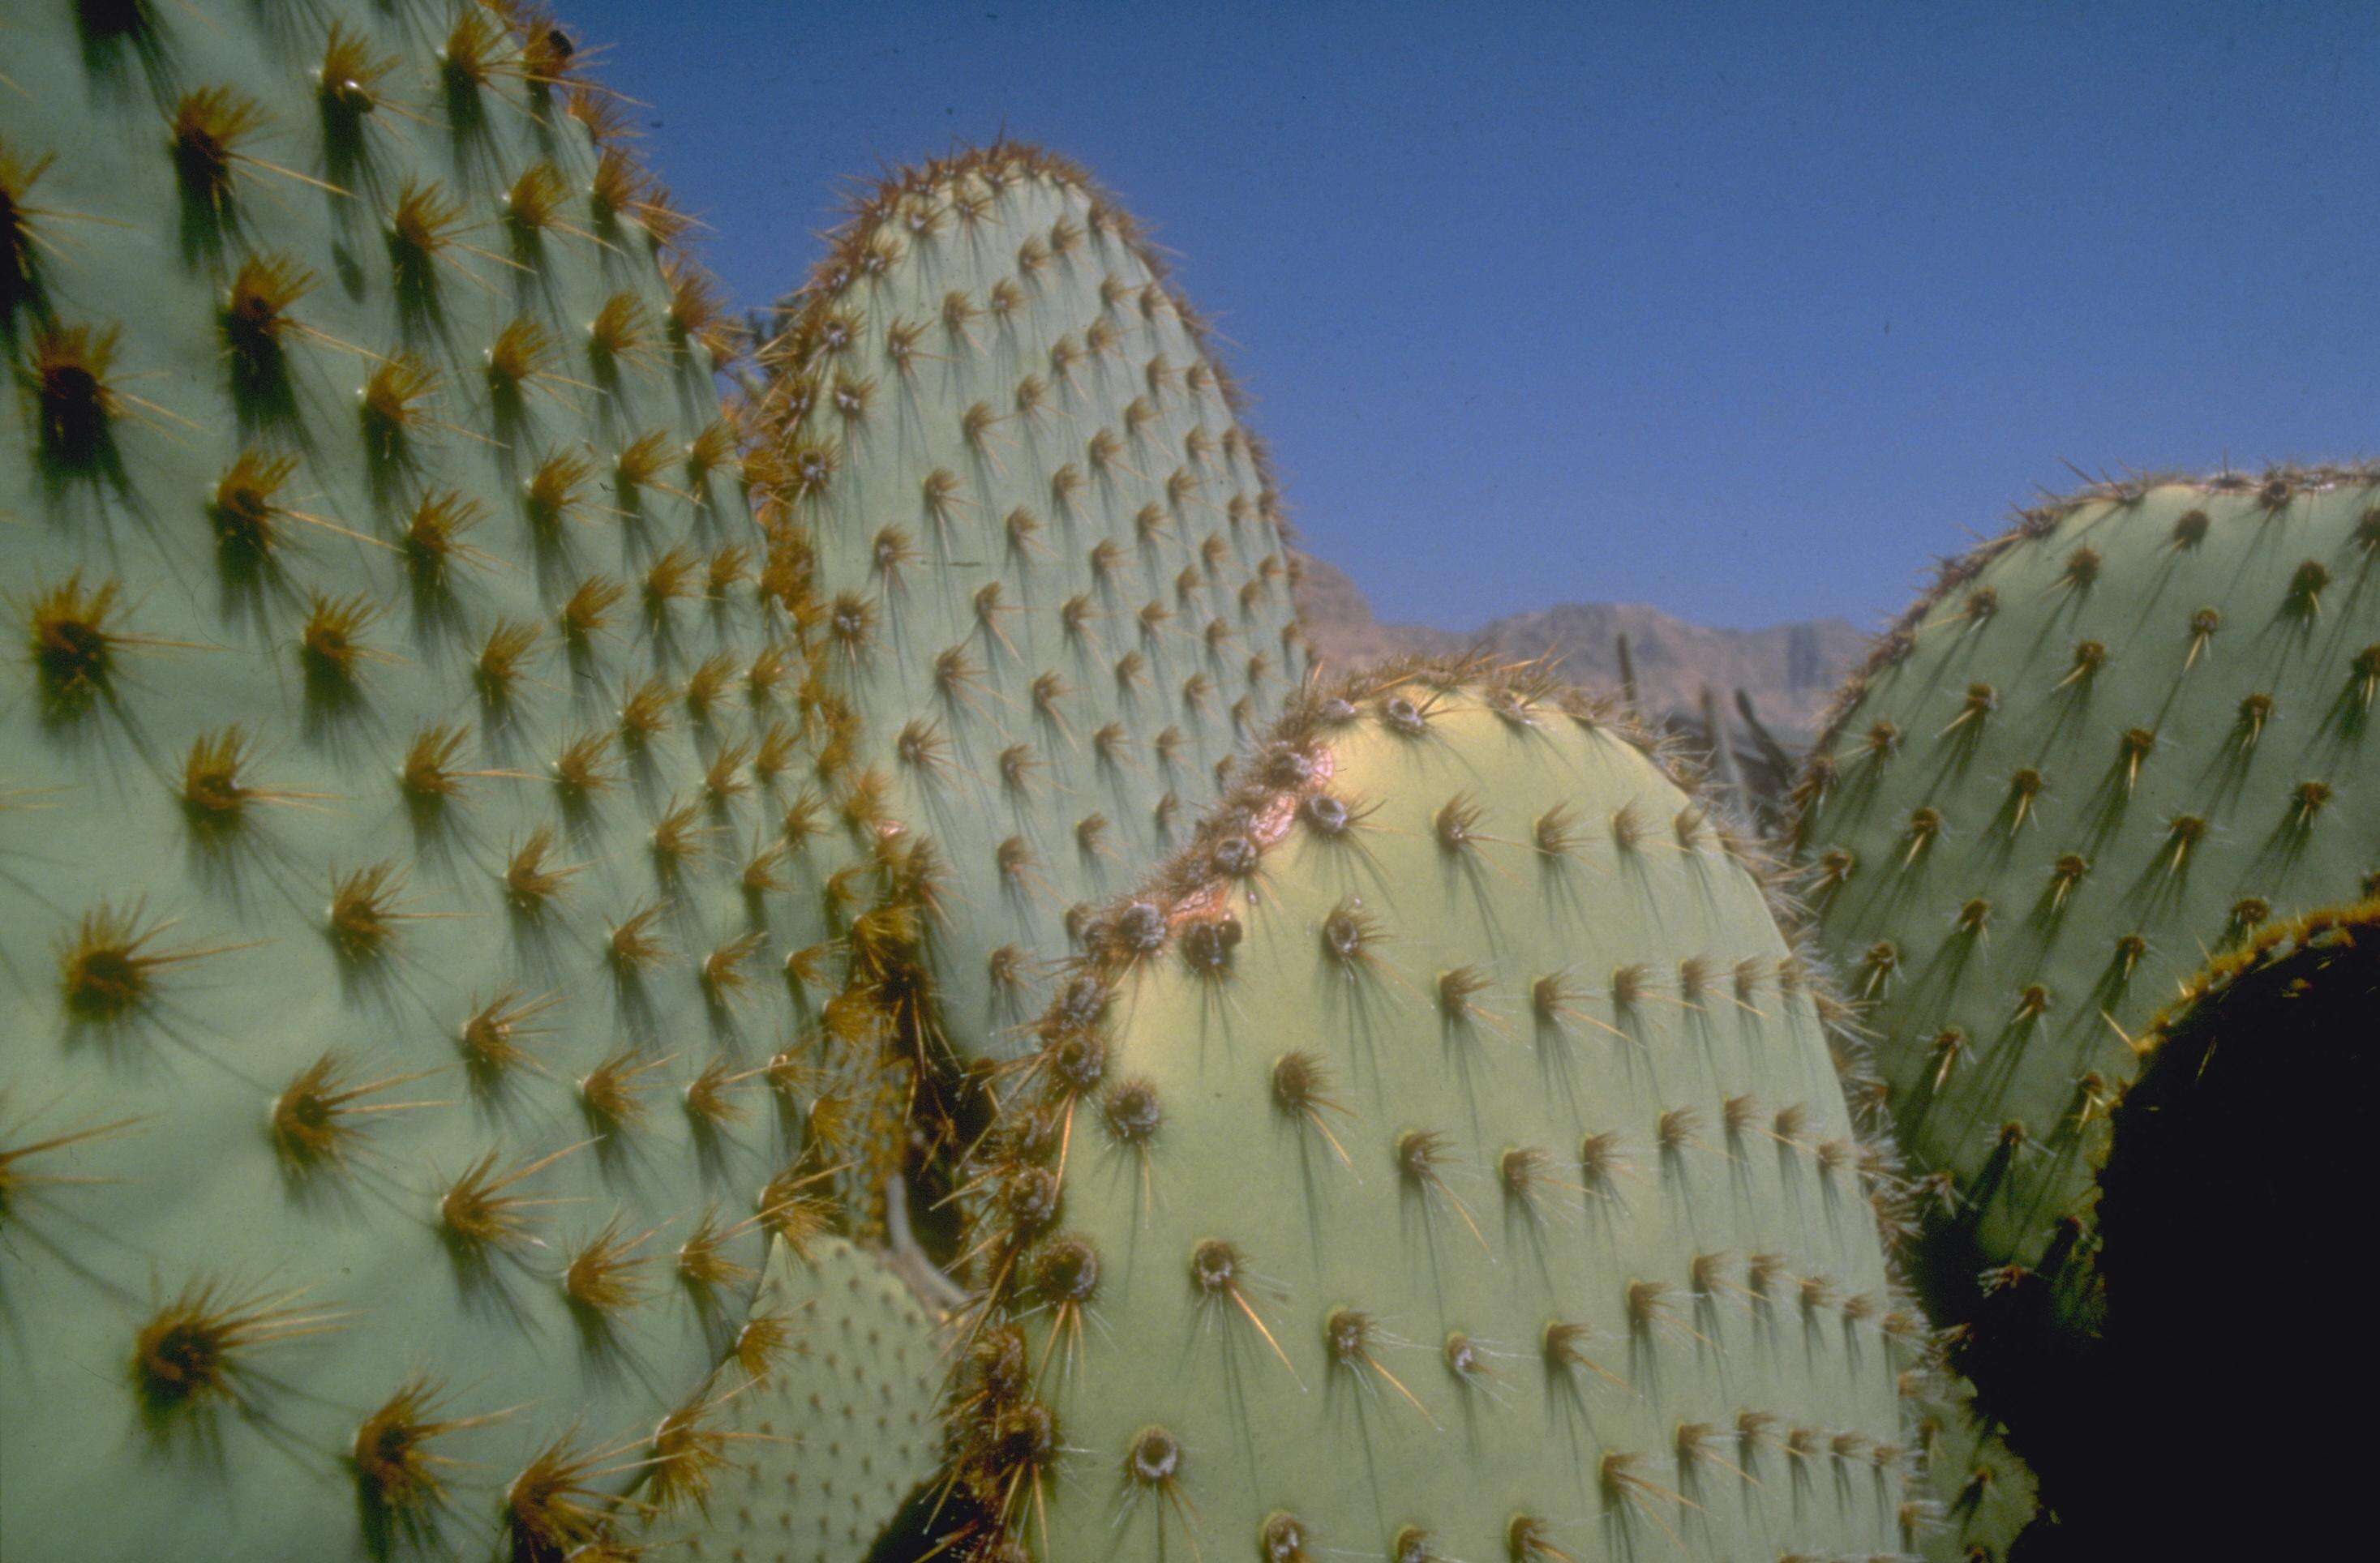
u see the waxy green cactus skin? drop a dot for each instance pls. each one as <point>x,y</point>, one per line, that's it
<point>818,1453</point>
<point>2111,741</point>
<point>2121,736</point>
<point>1458,1021</point>
<point>296,579</point>
<point>429,803</point>
<point>1980,1496</point>
<point>1047,557</point>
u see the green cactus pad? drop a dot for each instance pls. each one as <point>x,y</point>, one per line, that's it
<point>1441,1158</point>
<point>809,1460</point>
<point>1047,564</point>
<point>2107,742</point>
<point>1980,1498</point>
<point>388,875</point>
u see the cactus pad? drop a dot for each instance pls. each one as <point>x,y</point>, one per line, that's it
<point>2121,736</point>
<point>389,870</point>
<point>1441,1158</point>
<point>1046,562</point>
<point>825,1422</point>
<point>1982,1497</point>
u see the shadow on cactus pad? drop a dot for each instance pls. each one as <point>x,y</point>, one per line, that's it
<point>2236,1166</point>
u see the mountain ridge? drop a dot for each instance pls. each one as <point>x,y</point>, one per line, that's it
<point>1790,670</point>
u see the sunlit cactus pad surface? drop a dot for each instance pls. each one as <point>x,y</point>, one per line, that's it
<point>1442,1156</point>
<point>626,932</point>
<point>388,751</point>
<point>1048,571</point>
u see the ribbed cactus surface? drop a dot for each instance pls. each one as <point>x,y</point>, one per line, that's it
<point>2123,735</point>
<point>390,896</point>
<point>1047,563</point>
<point>1442,1156</point>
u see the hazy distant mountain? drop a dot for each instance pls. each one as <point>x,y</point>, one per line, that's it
<point>1789,670</point>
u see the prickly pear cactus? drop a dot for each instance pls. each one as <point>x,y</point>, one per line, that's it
<point>2123,735</point>
<point>1047,563</point>
<point>822,1423</point>
<point>1979,1498</point>
<point>1441,1158</point>
<point>391,889</point>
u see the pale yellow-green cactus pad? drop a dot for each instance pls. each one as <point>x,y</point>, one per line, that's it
<point>1442,1157</point>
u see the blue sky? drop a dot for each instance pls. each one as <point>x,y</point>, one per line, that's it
<point>1747,311</point>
